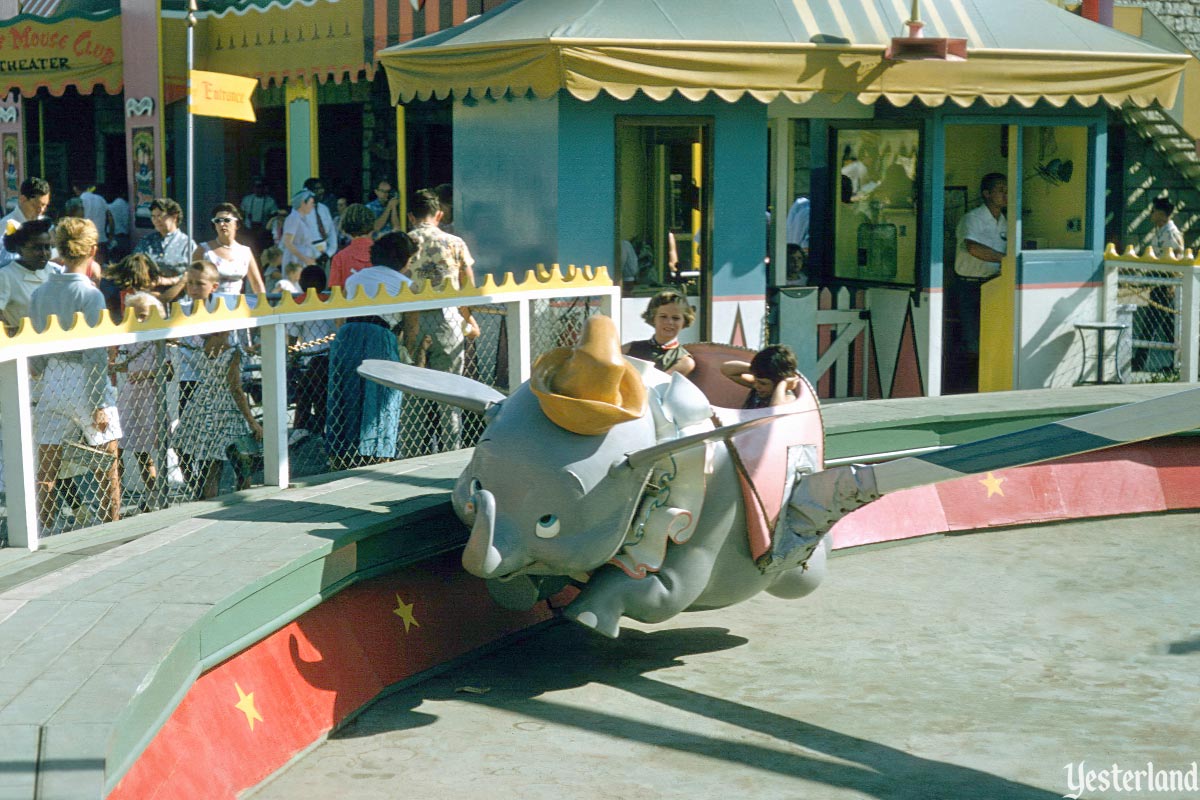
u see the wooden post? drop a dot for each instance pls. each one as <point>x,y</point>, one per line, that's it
<point>519,360</point>
<point>1189,329</point>
<point>16,429</point>
<point>782,197</point>
<point>275,421</point>
<point>610,305</point>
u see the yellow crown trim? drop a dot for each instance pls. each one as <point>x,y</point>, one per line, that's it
<point>539,278</point>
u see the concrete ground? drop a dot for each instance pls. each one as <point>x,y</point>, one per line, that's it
<point>976,666</point>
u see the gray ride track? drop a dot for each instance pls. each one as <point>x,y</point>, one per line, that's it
<point>974,666</point>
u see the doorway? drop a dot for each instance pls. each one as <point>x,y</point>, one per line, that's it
<point>972,151</point>
<point>663,214</point>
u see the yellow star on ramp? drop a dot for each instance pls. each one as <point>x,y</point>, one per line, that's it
<point>404,611</point>
<point>245,704</point>
<point>993,484</point>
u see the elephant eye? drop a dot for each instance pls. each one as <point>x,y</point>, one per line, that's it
<point>547,527</point>
<point>475,486</point>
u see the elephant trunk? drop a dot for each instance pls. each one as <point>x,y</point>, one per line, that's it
<point>480,557</point>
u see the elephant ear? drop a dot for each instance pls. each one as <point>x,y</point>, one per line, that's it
<point>442,387</point>
<point>642,459</point>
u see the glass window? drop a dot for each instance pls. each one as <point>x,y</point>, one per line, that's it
<point>663,168</point>
<point>877,205</point>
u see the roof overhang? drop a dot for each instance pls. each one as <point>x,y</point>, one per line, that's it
<point>1024,51</point>
<point>731,70</point>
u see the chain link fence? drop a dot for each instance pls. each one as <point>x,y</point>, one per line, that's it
<point>182,416</point>
<point>174,424</point>
<point>558,322</point>
<point>1154,296</point>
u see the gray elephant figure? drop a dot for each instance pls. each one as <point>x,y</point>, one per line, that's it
<point>602,471</point>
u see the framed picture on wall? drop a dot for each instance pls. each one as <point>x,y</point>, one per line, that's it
<point>878,204</point>
<point>12,181</point>
<point>143,174</point>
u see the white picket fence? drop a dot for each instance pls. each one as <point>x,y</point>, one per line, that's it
<point>518,300</point>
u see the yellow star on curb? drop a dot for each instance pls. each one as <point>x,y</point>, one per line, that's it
<point>245,704</point>
<point>404,611</point>
<point>993,485</point>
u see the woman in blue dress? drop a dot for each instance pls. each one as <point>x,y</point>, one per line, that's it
<point>362,419</point>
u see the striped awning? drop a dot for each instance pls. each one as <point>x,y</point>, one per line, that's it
<point>1019,50</point>
<point>324,40</point>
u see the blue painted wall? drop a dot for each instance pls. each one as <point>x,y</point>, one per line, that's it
<point>537,182</point>
<point>587,183</point>
<point>506,182</point>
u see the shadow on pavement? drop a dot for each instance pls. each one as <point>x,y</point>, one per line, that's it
<point>522,677</point>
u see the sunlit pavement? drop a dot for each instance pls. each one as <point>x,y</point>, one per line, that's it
<point>976,666</point>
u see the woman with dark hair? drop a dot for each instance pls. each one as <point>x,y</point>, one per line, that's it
<point>362,419</point>
<point>170,247</point>
<point>234,261</point>
<point>32,268</point>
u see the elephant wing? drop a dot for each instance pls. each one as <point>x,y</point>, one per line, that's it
<point>442,387</point>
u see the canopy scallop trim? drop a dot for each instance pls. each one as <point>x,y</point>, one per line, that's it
<point>731,70</point>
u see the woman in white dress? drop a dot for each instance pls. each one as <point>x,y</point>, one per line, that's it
<point>299,236</point>
<point>234,261</point>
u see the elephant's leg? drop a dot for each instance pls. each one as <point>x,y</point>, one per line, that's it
<point>611,594</point>
<point>800,581</point>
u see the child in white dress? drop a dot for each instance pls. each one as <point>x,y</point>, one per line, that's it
<point>140,403</point>
<point>218,412</point>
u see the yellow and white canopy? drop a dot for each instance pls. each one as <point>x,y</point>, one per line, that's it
<point>1018,50</point>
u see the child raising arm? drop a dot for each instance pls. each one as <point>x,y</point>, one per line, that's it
<point>771,376</point>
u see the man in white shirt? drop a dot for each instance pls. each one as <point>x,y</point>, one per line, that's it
<point>257,209</point>
<point>322,220</point>
<point>118,209</point>
<point>392,252</point>
<point>96,209</point>
<point>797,223</point>
<point>1166,235</point>
<point>32,202</point>
<point>982,243</point>
<point>983,232</point>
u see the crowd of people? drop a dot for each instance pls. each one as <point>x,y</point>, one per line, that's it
<point>182,407</point>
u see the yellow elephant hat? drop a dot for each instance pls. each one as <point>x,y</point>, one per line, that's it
<point>589,388</point>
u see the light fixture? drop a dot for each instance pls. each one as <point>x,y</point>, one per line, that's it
<point>1055,171</point>
<point>916,47</point>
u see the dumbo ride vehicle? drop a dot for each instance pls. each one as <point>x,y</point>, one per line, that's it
<point>604,472</point>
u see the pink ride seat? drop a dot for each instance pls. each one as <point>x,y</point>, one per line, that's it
<point>763,450</point>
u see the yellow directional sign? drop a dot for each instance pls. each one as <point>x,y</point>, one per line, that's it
<point>215,94</point>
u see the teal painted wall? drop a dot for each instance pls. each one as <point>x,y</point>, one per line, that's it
<point>587,186</point>
<point>537,182</point>
<point>506,182</point>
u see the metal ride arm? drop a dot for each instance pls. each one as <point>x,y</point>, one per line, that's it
<point>1134,422</point>
<point>822,498</point>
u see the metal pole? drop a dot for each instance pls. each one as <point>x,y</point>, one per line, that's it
<point>42,139</point>
<point>191,134</point>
